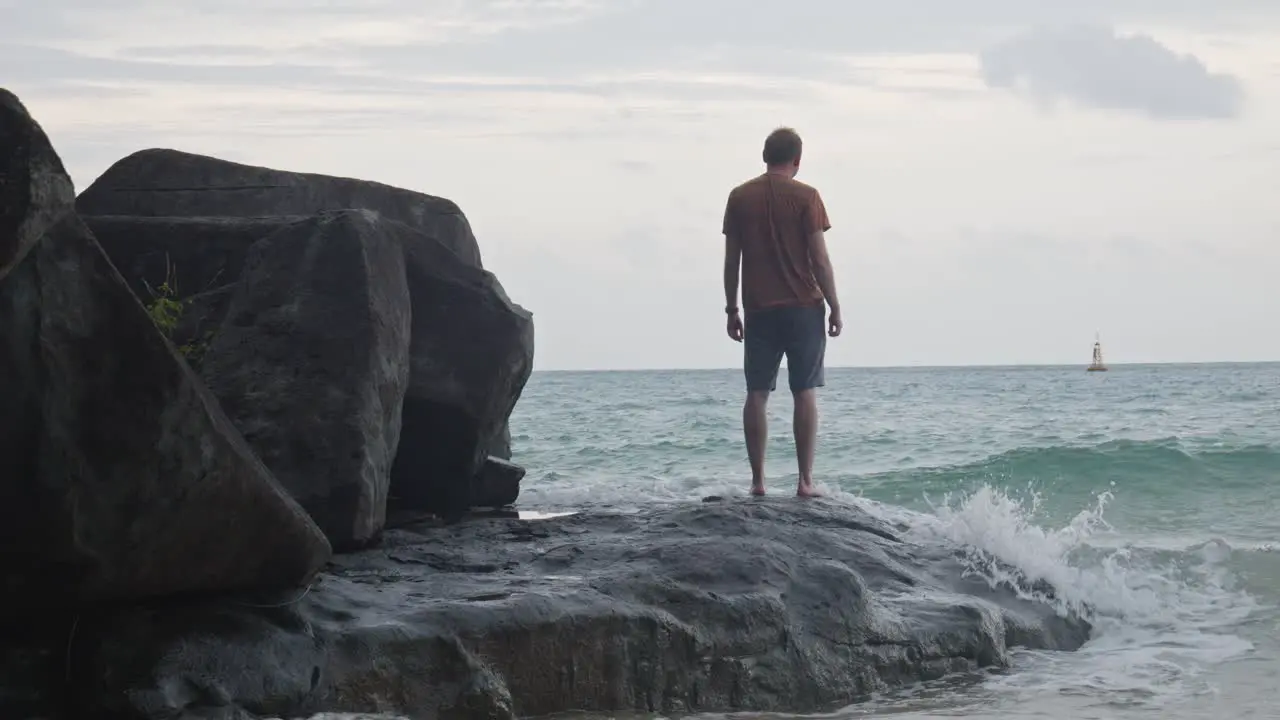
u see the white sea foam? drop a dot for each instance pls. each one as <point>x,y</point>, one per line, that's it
<point>1161,619</point>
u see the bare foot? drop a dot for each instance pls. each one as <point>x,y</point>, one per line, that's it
<point>808,491</point>
<point>757,490</point>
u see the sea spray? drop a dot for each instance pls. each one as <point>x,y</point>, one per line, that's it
<point>1160,618</point>
<point>1005,546</point>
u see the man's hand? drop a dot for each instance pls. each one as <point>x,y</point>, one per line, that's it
<point>835,323</point>
<point>734,327</point>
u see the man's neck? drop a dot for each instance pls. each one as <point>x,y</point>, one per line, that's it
<point>779,171</point>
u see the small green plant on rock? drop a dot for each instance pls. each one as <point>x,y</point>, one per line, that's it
<point>166,310</point>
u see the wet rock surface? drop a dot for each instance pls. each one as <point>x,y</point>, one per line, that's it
<point>731,605</point>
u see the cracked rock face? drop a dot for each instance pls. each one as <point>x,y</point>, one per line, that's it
<point>774,605</point>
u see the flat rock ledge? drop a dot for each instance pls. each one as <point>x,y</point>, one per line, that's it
<point>352,716</point>
<point>725,605</point>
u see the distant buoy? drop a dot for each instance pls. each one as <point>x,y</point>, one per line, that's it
<point>1097,365</point>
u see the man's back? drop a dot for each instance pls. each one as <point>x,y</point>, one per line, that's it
<point>775,243</point>
<point>774,217</point>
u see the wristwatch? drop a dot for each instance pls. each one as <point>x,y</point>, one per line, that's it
<point>730,309</point>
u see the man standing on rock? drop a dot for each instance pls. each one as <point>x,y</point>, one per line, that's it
<point>774,230</point>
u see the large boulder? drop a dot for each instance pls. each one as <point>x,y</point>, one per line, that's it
<point>312,364</point>
<point>164,211</point>
<point>471,353</point>
<point>120,477</point>
<point>193,255</point>
<point>34,188</point>
<point>743,605</point>
<point>161,182</point>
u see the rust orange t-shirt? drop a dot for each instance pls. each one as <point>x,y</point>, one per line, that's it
<point>773,217</point>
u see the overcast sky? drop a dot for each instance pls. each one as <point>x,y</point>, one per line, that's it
<point>1004,177</point>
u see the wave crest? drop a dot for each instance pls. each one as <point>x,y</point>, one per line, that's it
<point>1161,618</point>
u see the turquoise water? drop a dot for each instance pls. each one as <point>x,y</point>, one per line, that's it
<point>1149,492</point>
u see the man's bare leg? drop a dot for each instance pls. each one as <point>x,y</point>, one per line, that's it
<point>805,421</point>
<point>755,425</point>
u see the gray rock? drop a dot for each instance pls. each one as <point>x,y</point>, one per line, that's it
<point>355,716</point>
<point>472,348</point>
<point>160,182</point>
<point>500,445</point>
<point>194,254</point>
<point>312,364</point>
<point>769,605</point>
<point>35,191</point>
<point>202,317</point>
<point>199,259</point>
<point>32,654</point>
<point>471,353</point>
<point>120,477</point>
<point>497,484</point>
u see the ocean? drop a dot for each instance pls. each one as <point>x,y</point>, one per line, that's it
<point>1150,492</point>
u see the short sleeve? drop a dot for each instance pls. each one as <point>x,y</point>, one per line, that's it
<point>730,217</point>
<point>815,215</point>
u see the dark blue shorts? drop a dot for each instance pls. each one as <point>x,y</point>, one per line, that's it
<point>799,333</point>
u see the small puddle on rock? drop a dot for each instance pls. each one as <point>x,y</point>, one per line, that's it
<point>541,515</point>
